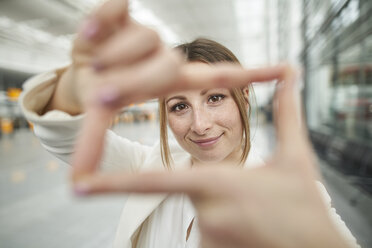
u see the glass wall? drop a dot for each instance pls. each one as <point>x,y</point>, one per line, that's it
<point>338,64</point>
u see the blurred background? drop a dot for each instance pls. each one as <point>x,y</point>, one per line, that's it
<point>331,40</point>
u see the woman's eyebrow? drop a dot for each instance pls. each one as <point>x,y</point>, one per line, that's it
<point>203,92</point>
<point>176,97</point>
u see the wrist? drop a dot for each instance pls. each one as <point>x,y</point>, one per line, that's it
<point>64,98</point>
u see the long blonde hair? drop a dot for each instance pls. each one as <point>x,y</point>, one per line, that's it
<point>208,51</point>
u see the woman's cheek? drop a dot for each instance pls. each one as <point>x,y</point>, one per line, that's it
<point>178,125</point>
<point>228,115</point>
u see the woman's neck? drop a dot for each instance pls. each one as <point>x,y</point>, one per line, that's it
<point>232,159</point>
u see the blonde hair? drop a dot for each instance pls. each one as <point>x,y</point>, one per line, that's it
<point>208,51</point>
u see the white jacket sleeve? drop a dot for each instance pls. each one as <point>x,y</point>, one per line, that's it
<point>336,219</point>
<point>58,130</point>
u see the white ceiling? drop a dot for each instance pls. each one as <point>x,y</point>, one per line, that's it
<point>35,35</point>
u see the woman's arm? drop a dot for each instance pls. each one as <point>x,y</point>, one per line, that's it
<point>65,95</point>
<point>101,55</point>
<point>58,128</point>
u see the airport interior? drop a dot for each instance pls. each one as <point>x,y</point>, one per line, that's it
<point>330,41</point>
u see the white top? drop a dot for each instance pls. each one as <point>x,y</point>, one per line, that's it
<point>167,226</point>
<point>156,220</point>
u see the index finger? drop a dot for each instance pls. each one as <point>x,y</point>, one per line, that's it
<point>113,11</point>
<point>108,17</point>
<point>197,75</point>
<point>287,106</point>
<point>104,19</point>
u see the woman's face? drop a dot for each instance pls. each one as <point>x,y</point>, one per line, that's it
<point>206,123</point>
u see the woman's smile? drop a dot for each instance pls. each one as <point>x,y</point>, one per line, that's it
<point>207,143</point>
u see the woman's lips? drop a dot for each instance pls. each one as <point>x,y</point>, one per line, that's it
<point>207,142</point>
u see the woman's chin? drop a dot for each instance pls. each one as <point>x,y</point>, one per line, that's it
<point>209,159</point>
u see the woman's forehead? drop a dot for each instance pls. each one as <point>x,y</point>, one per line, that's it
<point>196,92</point>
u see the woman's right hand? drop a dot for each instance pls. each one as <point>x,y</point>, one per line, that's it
<point>115,61</point>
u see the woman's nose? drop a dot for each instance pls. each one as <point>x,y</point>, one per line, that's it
<point>201,121</point>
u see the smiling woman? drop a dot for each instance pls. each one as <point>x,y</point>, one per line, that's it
<point>199,119</point>
<point>211,125</point>
<point>116,61</point>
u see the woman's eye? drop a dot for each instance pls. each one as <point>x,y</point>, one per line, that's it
<point>179,107</point>
<point>215,98</point>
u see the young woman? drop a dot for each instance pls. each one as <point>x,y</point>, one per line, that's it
<point>210,125</point>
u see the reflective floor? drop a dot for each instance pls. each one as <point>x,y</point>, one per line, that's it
<point>37,209</point>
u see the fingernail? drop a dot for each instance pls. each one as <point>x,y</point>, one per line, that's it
<point>109,96</point>
<point>82,188</point>
<point>90,29</point>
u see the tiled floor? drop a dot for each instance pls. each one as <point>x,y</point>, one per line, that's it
<point>38,210</point>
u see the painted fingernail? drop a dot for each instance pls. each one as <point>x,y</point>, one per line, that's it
<point>82,188</point>
<point>90,29</point>
<point>109,96</point>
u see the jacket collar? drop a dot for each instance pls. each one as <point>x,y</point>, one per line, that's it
<point>140,206</point>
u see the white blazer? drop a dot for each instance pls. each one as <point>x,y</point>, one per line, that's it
<point>57,132</point>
